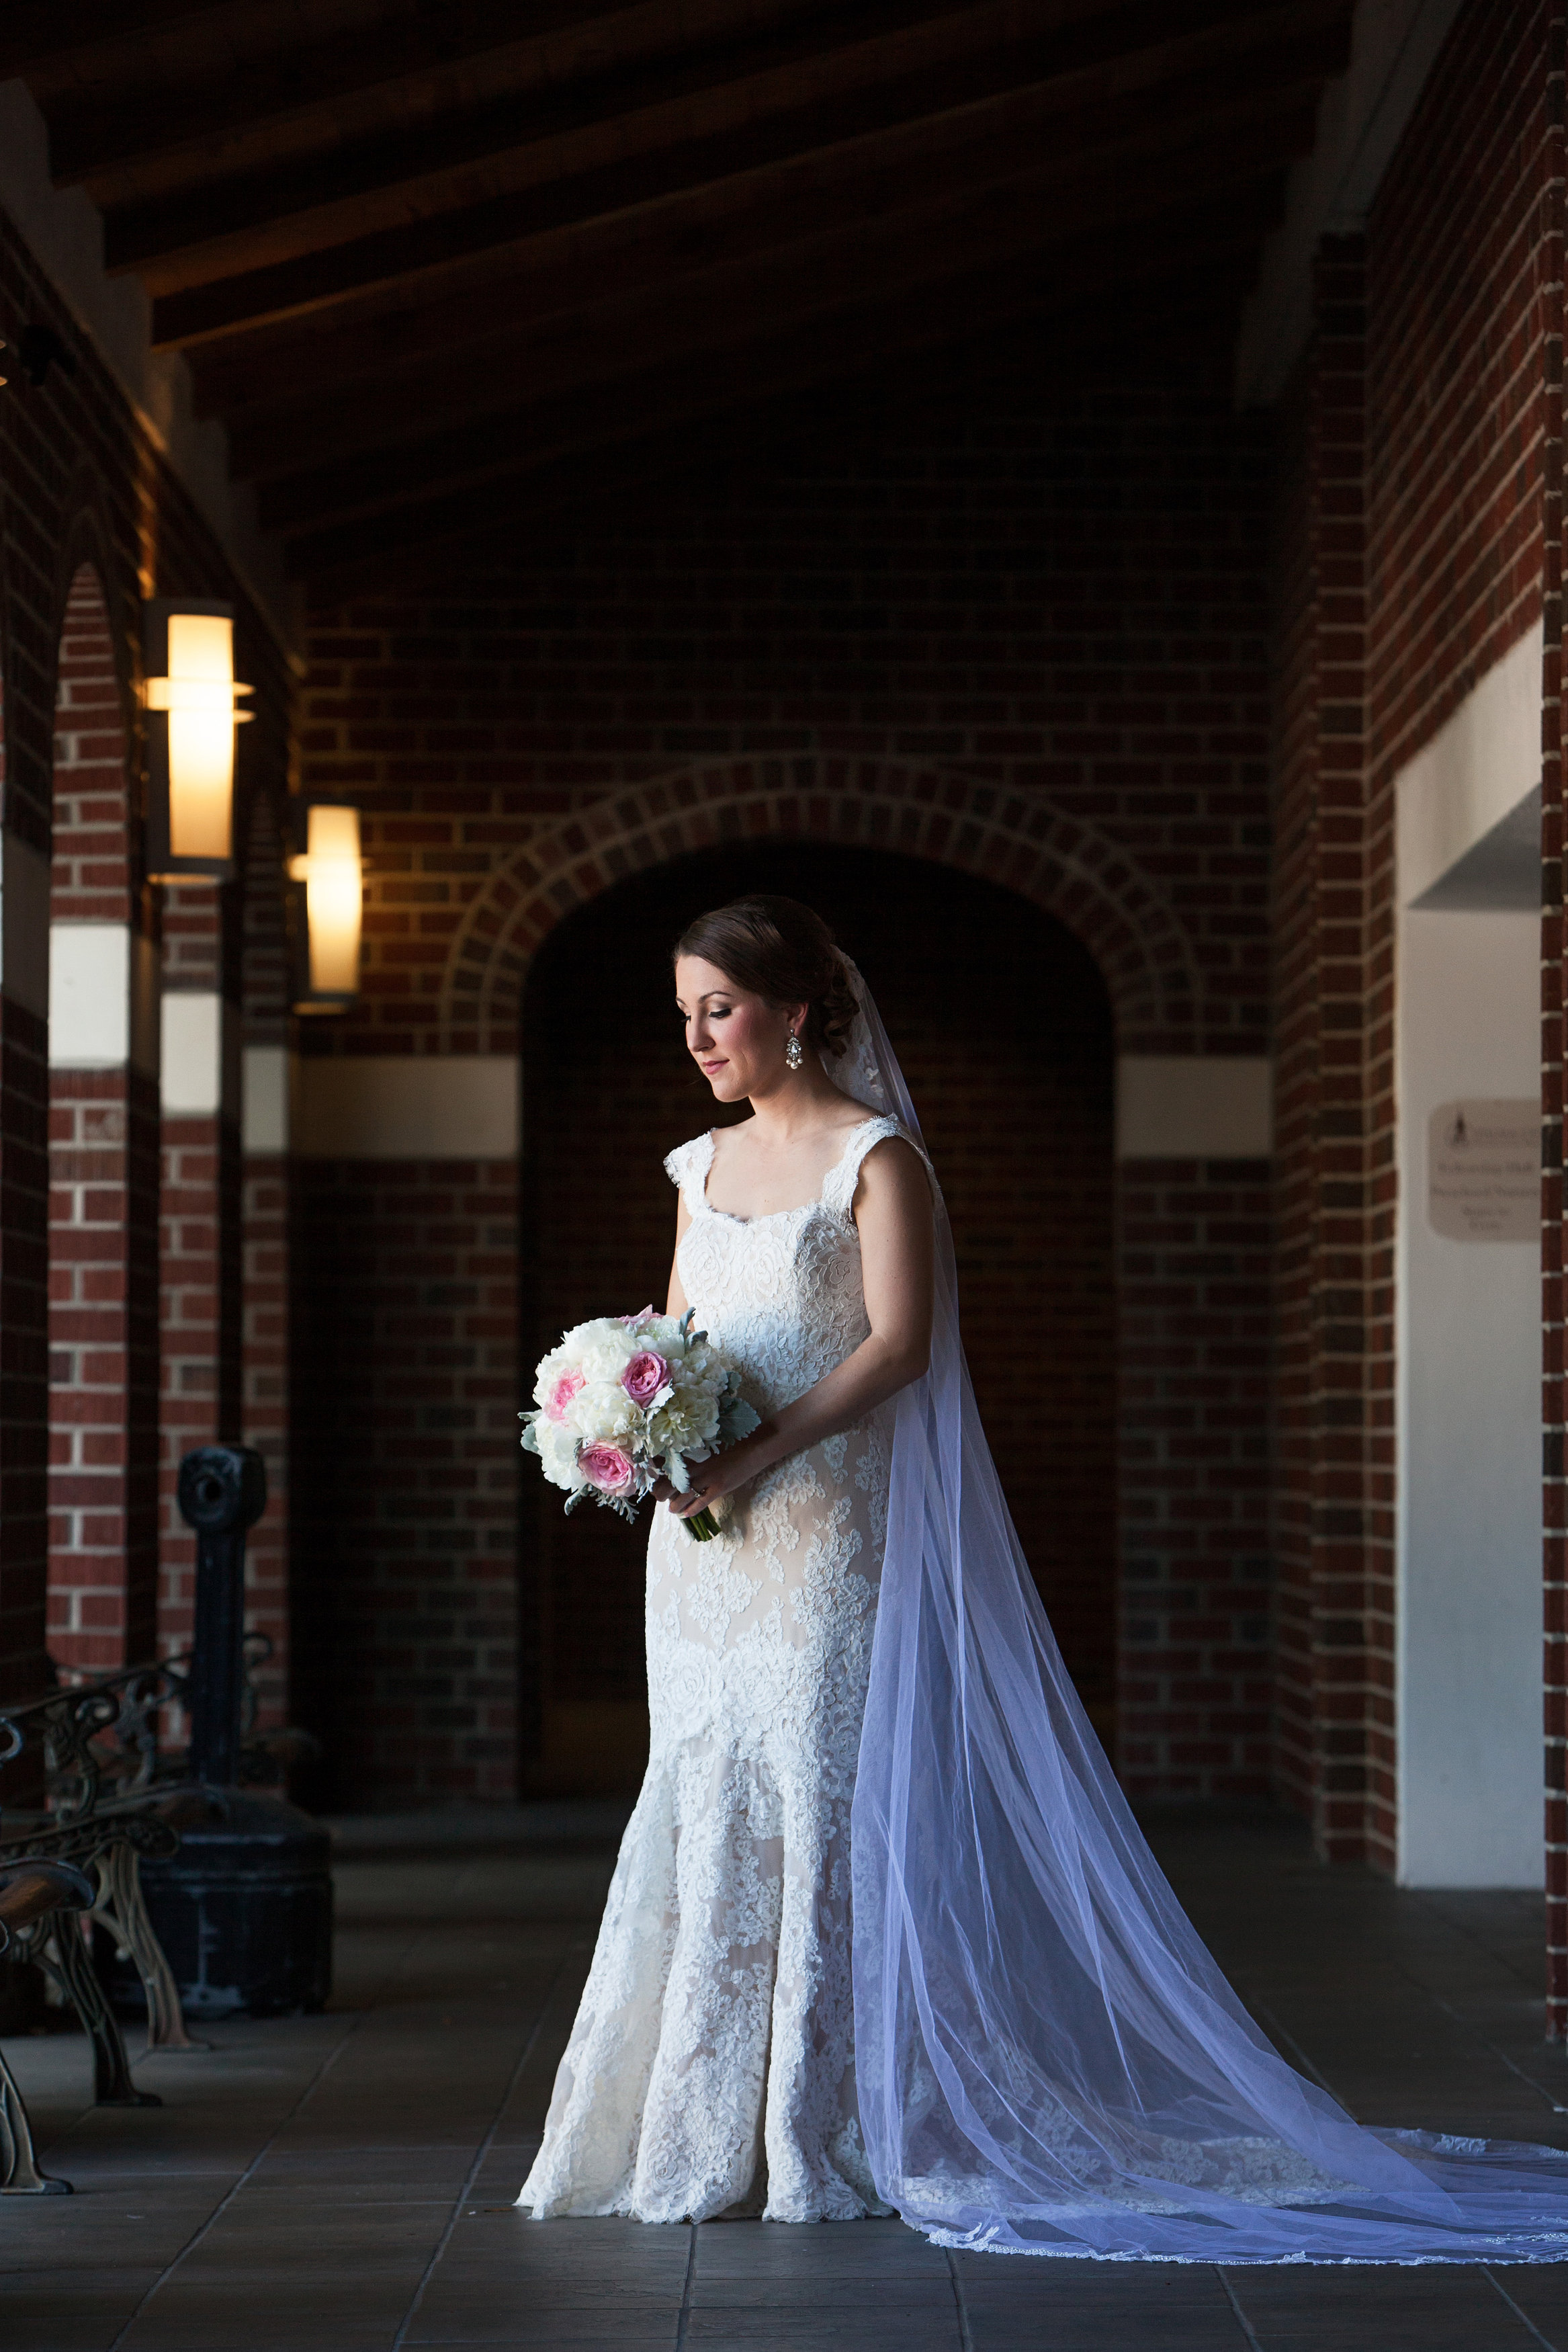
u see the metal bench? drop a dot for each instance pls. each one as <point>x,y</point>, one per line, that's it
<point>34,1889</point>
<point>97,1749</point>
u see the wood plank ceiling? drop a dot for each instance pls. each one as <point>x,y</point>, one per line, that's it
<point>436,261</point>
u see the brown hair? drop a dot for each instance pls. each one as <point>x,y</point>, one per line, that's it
<point>778,949</point>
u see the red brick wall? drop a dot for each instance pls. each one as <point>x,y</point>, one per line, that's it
<point>1413,469</point>
<point>1194,1260</point>
<point>266,1229</point>
<point>1014,637</point>
<point>1334,1728</point>
<point>200,1252</point>
<point>103,1130</point>
<point>200,1335</point>
<point>1065,603</point>
<point>403,1478</point>
<point>1457,304</point>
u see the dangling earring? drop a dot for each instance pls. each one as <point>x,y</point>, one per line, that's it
<point>793,1054</point>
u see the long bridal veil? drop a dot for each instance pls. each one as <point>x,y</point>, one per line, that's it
<point>1048,2060</point>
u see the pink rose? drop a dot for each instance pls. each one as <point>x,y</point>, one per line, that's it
<point>644,1376</point>
<point>630,1322</point>
<point>606,1467</point>
<point>558,1404</point>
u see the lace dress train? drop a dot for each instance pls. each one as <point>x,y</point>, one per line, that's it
<point>711,2066</point>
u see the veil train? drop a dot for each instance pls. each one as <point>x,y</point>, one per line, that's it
<point>1048,2060</point>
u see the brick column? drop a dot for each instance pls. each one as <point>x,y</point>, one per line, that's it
<point>103,1144</point>
<point>1333,1133</point>
<point>200,1271</point>
<point>265,1215</point>
<point>265,1241</point>
<point>24,1265</point>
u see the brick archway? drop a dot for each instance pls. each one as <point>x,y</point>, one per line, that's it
<point>1079,876</point>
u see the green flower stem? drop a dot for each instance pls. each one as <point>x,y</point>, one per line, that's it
<point>702,1524</point>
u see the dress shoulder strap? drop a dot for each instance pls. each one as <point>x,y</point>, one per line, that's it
<point>839,1184</point>
<point>687,1166</point>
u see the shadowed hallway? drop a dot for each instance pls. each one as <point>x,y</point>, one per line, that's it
<point>342,2183</point>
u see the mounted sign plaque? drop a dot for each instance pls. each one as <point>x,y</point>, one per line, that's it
<point>1483,1171</point>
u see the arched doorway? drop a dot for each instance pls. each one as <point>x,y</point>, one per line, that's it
<point>1006,1037</point>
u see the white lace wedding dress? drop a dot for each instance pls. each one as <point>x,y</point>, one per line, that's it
<point>711,2067</point>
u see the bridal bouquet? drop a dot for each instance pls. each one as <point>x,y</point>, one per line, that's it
<point>627,1400</point>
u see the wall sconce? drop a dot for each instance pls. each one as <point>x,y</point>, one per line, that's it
<point>326,941</point>
<point>192,715</point>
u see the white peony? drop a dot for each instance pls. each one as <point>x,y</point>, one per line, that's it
<point>582,1403</point>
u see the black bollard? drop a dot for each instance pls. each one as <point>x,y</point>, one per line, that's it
<point>244,1911</point>
<point>223,1492</point>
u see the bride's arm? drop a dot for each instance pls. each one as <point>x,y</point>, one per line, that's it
<point>893,1210</point>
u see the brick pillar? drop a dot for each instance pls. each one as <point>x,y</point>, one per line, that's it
<point>1334,1205</point>
<point>265,1406</point>
<point>24,1265</point>
<point>267,1197</point>
<point>103,1148</point>
<point>200,1284</point>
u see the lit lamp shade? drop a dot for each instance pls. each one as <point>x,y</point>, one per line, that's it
<point>326,928</point>
<point>192,714</point>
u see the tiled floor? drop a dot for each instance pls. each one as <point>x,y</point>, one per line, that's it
<point>343,2183</point>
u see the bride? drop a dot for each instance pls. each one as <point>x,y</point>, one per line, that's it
<point>858,1713</point>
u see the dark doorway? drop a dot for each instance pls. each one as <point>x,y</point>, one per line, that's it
<point>1003,1025</point>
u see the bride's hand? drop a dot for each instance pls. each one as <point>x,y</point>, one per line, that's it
<point>681,1506</point>
<point>721,1474</point>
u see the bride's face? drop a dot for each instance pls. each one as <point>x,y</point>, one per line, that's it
<point>736,1039</point>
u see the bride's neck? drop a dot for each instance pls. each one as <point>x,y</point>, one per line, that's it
<point>797,1105</point>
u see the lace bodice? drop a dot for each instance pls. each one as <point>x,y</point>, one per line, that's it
<point>782,1292</point>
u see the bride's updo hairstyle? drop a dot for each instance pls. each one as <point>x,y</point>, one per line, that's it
<point>778,949</point>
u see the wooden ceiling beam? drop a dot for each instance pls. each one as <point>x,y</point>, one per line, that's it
<point>48,37</point>
<point>662,425</point>
<point>290,389</point>
<point>507,171</point>
<point>636,305</point>
<point>390,266</point>
<point>287,88</point>
<point>672,348</point>
<point>864,57</point>
<point>400,346</point>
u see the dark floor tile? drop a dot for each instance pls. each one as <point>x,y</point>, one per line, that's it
<point>1540,2291</point>
<point>1055,2282</point>
<point>591,2339</point>
<point>810,2289</point>
<point>1362,2308</point>
<point>1153,2327</point>
<point>826,2324</point>
<point>839,2249</point>
<point>552,2318</point>
<point>26,2333</point>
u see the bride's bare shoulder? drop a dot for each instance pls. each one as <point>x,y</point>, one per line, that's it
<point>849,1113</point>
